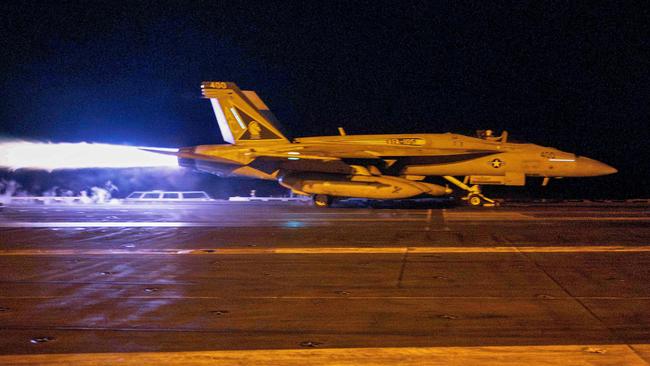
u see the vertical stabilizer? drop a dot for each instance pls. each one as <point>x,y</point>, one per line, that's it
<point>243,117</point>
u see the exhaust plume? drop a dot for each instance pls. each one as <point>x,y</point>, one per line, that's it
<point>52,156</point>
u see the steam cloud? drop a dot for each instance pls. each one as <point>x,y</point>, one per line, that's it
<point>51,168</point>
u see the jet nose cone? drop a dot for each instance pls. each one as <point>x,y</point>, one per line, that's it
<point>608,169</point>
<point>591,168</point>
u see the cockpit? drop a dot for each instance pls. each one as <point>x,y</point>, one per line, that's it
<point>489,136</point>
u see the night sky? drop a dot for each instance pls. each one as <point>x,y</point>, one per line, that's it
<point>572,76</point>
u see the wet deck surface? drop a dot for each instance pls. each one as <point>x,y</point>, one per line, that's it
<point>84,279</point>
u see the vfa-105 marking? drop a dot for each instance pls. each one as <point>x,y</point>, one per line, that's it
<point>368,166</point>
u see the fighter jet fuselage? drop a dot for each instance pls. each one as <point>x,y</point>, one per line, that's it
<point>369,166</point>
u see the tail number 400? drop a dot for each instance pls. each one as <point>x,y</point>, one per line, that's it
<point>217,85</point>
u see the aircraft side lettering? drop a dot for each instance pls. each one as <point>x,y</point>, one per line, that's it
<point>411,141</point>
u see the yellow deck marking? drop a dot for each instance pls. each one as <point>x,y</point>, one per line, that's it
<point>485,215</point>
<point>333,250</point>
<point>567,355</point>
<point>618,218</point>
<point>515,216</point>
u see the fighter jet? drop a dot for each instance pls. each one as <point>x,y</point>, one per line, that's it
<point>369,166</point>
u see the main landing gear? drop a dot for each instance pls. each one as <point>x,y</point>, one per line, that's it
<point>322,200</point>
<point>474,196</point>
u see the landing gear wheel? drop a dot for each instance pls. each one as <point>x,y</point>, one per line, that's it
<point>322,200</point>
<point>474,200</point>
<point>475,197</point>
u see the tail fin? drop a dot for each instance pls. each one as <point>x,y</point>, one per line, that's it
<point>243,117</point>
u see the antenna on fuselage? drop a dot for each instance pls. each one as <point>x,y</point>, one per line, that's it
<point>342,131</point>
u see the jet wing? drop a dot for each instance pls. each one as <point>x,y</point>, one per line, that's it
<point>323,154</point>
<point>331,153</point>
<point>329,158</point>
<point>344,152</point>
<point>307,153</point>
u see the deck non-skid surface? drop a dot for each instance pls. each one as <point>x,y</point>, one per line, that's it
<point>270,282</point>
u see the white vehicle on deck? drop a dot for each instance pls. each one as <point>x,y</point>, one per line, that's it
<point>168,196</point>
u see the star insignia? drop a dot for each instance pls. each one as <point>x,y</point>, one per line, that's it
<point>497,163</point>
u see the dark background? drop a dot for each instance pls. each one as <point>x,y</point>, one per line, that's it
<point>563,74</point>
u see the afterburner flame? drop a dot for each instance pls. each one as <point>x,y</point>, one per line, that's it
<point>52,156</point>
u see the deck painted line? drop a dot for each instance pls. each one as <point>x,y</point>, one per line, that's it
<point>573,218</point>
<point>567,355</point>
<point>331,250</point>
<point>119,287</point>
<point>229,221</point>
<point>28,224</point>
<point>491,216</point>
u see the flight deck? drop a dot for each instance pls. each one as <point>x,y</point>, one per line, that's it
<point>273,283</point>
